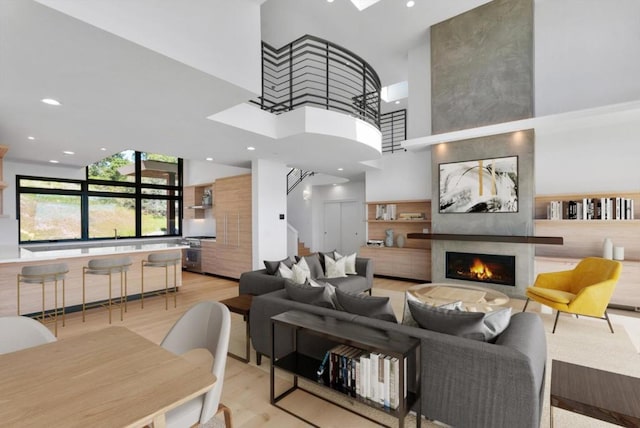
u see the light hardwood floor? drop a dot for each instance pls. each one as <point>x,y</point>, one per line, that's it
<point>246,387</point>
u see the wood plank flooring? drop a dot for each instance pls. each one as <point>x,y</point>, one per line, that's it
<point>246,387</point>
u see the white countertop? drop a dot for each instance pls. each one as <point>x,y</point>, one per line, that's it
<point>13,253</point>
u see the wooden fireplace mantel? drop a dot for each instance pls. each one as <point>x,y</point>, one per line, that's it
<point>514,239</point>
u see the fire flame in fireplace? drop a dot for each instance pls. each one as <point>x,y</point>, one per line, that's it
<point>480,270</point>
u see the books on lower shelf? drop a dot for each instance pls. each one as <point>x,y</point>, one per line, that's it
<point>369,375</point>
<point>616,208</point>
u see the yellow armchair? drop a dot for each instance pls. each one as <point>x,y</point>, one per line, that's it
<point>584,290</point>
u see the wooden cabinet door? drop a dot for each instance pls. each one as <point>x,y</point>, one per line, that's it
<point>233,225</point>
<point>188,199</point>
<point>209,257</point>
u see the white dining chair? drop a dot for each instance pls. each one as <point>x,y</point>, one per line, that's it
<point>18,332</point>
<point>205,326</point>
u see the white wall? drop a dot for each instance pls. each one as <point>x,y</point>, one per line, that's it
<point>300,211</point>
<point>586,54</point>
<point>403,176</point>
<point>596,159</point>
<point>269,194</point>
<point>350,191</point>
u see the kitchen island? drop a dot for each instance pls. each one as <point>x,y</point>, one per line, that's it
<point>14,258</point>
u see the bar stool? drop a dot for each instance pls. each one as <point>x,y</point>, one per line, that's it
<point>40,274</point>
<point>163,260</point>
<point>108,266</point>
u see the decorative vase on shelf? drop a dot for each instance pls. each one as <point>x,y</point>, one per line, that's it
<point>388,241</point>
<point>607,249</point>
<point>400,241</point>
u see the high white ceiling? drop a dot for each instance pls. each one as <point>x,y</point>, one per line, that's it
<point>118,95</point>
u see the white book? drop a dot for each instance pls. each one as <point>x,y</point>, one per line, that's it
<point>365,368</point>
<point>387,381</point>
<point>393,381</point>
<point>373,380</point>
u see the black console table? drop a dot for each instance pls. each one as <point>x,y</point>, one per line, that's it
<point>355,335</point>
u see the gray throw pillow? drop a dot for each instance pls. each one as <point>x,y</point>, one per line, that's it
<point>407,318</point>
<point>313,261</point>
<point>470,325</point>
<point>329,291</point>
<point>365,305</point>
<point>272,266</point>
<point>304,293</point>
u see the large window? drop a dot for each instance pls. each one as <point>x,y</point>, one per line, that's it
<point>127,195</point>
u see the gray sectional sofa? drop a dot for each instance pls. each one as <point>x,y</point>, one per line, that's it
<point>259,282</point>
<point>464,382</point>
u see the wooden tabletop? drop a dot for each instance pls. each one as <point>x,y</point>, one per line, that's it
<point>107,378</point>
<point>600,394</point>
<point>240,304</point>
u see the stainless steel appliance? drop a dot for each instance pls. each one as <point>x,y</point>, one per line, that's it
<point>192,256</point>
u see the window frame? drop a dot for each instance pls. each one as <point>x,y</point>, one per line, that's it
<point>174,193</point>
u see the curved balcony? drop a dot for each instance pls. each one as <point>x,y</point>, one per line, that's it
<point>314,72</point>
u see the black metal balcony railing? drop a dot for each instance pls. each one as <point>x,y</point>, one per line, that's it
<point>393,126</point>
<point>315,72</point>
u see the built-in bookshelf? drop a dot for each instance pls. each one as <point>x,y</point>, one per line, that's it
<point>412,259</point>
<point>585,237</point>
<point>603,206</point>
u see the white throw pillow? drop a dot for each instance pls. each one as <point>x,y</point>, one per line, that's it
<point>334,268</point>
<point>284,271</point>
<point>350,264</point>
<point>301,272</point>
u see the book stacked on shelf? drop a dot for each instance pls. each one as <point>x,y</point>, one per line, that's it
<point>385,211</point>
<point>616,208</point>
<point>368,375</point>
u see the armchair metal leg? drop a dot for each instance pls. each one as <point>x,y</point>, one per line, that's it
<point>555,322</point>
<point>606,316</point>
<point>525,305</point>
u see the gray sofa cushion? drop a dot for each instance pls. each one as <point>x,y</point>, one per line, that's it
<point>308,294</point>
<point>365,305</point>
<point>315,268</point>
<point>471,325</point>
<point>272,266</point>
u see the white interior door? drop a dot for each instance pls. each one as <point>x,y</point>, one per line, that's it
<point>343,227</point>
<point>351,224</point>
<point>332,220</point>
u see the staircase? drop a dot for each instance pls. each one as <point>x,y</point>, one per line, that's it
<point>303,250</point>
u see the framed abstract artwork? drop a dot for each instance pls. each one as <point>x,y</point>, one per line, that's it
<point>479,186</point>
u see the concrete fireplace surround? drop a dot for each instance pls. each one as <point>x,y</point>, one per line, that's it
<point>519,144</point>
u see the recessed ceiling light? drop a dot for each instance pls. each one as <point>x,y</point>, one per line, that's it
<point>51,101</point>
<point>340,169</point>
<point>104,149</point>
<point>411,3</point>
<point>31,138</point>
<point>397,102</point>
<point>251,148</point>
<point>209,159</point>
<point>67,152</point>
<point>53,161</point>
<point>329,1</point>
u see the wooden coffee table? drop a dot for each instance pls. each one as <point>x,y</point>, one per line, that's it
<point>600,394</point>
<point>241,305</point>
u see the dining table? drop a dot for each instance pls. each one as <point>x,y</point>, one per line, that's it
<point>111,377</point>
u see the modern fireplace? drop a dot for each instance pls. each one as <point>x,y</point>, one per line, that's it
<point>487,268</point>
